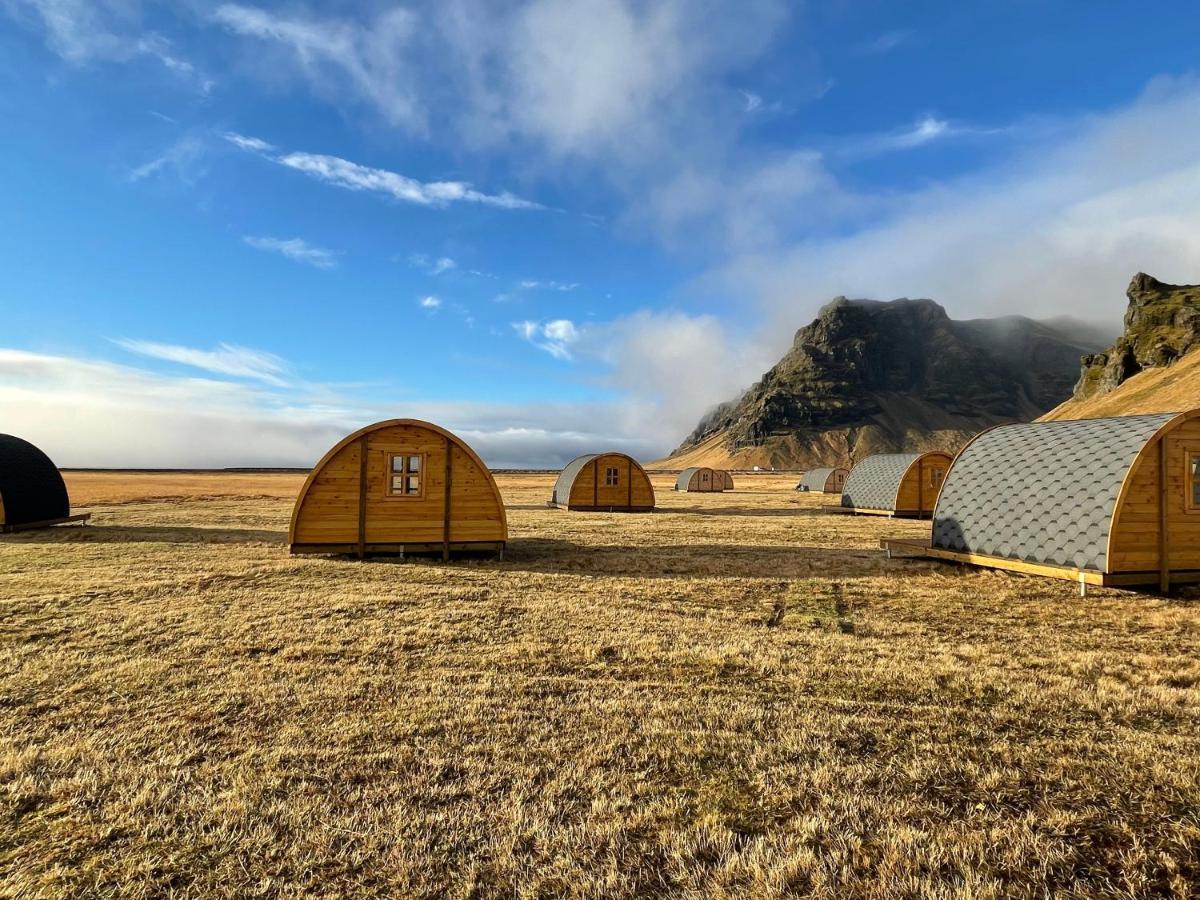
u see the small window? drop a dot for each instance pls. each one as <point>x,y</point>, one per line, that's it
<point>404,474</point>
<point>936,476</point>
<point>612,476</point>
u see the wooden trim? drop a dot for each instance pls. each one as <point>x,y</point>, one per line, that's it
<point>887,513</point>
<point>79,519</point>
<point>1190,455</point>
<point>390,473</point>
<point>920,484</point>
<point>1169,426</point>
<point>628,483</point>
<point>363,449</point>
<point>595,481</point>
<point>435,547</point>
<point>446,511</point>
<point>1164,545</point>
<point>1068,573</point>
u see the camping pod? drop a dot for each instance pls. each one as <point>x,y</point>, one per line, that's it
<point>703,480</point>
<point>823,481</point>
<point>726,478</point>
<point>613,482</point>
<point>1112,501</point>
<point>32,491</point>
<point>400,486</point>
<point>904,485</point>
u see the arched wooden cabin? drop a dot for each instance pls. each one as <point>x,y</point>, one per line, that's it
<point>612,482</point>
<point>904,485</point>
<point>1100,501</point>
<point>823,481</point>
<point>32,491</point>
<point>702,479</point>
<point>726,477</point>
<point>400,486</point>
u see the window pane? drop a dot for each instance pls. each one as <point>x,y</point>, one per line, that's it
<point>397,463</point>
<point>1196,481</point>
<point>414,484</point>
<point>397,484</point>
<point>414,464</point>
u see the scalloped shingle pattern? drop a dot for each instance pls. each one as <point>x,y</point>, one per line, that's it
<point>814,480</point>
<point>874,482</point>
<point>1041,492</point>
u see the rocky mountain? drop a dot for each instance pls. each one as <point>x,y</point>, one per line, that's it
<point>1162,323</point>
<point>1154,366</point>
<point>868,376</point>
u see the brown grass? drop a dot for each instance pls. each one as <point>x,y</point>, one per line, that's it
<point>733,696</point>
<point>1175,388</point>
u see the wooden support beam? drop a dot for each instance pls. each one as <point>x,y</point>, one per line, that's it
<point>1164,544</point>
<point>362,496</point>
<point>446,511</point>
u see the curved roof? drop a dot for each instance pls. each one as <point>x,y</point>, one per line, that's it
<point>875,482</point>
<point>685,477</point>
<point>567,477</point>
<point>31,486</point>
<point>1043,491</point>
<point>389,423</point>
<point>814,480</point>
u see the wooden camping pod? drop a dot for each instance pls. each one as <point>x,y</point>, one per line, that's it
<point>400,486</point>
<point>904,485</point>
<point>32,491</point>
<point>704,480</point>
<point>612,482</point>
<point>1112,501</point>
<point>823,481</point>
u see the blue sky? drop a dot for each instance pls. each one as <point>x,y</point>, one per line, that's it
<point>234,231</point>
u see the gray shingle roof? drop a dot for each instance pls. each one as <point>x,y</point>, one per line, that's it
<point>1041,492</point>
<point>681,483</point>
<point>566,478</point>
<point>814,480</point>
<point>874,482</point>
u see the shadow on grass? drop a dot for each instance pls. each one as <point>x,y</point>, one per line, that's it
<point>145,534</point>
<point>550,556</point>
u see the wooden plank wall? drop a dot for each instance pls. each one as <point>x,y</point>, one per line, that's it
<point>916,492</point>
<point>1136,536</point>
<point>330,511</point>
<point>633,489</point>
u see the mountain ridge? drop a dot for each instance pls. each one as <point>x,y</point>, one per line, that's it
<point>871,376</point>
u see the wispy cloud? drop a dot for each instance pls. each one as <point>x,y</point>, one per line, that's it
<point>886,42</point>
<point>432,266</point>
<point>354,177</point>
<point>531,284</point>
<point>253,144</point>
<point>556,336</point>
<point>925,130</point>
<point>295,249</point>
<point>226,359</point>
<point>84,31</point>
<point>181,158</point>
<point>431,303</point>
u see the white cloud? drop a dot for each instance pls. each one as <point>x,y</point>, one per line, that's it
<point>182,158</point>
<point>296,249</point>
<point>531,284</point>
<point>437,266</point>
<point>253,144</point>
<point>342,59</point>
<point>430,302</point>
<point>86,31</point>
<point>99,414</point>
<point>556,336</point>
<point>886,42</point>
<point>226,359</point>
<point>1058,230</point>
<point>353,177</point>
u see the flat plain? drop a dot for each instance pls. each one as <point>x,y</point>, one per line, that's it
<point>733,696</point>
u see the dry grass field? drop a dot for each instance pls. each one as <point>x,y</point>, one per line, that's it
<point>733,696</point>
